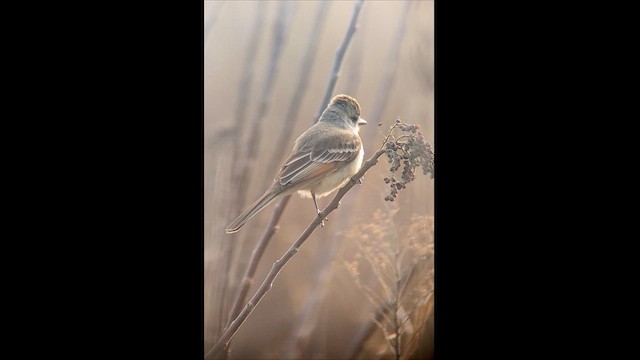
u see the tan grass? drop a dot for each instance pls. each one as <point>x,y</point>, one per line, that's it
<point>401,259</point>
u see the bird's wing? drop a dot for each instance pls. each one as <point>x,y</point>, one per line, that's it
<point>328,152</point>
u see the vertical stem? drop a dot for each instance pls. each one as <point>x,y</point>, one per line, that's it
<point>368,330</point>
<point>307,319</point>
<point>396,303</point>
<point>214,14</point>
<point>389,74</point>
<point>247,80</point>
<point>355,61</point>
<point>240,121</point>
<point>338,59</point>
<point>388,77</point>
<point>303,81</point>
<point>245,170</point>
<point>249,159</point>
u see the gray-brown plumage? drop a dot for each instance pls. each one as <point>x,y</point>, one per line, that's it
<point>323,158</point>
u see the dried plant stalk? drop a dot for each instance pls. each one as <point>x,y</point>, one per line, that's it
<point>249,159</point>
<point>402,314</point>
<point>355,61</point>
<point>383,309</point>
<point>246,166</point>
<point>214,14</point>
<point>247,79</point>
<point>303,80</point>
<point>338,59</point>
<point>389,74</point>
<point>307,318</point>
<point>240,121</point>
<point>256,255</point>
<point>392,63</point>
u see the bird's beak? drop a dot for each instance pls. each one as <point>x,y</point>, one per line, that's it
<point>362,121</point>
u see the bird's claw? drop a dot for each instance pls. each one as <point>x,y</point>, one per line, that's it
<point>322,222</point>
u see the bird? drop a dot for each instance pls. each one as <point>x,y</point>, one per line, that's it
<point>323,159</point>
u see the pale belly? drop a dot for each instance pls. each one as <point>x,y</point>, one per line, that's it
<point>334,181</point>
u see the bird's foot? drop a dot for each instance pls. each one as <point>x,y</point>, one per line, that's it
<point>323,220</point>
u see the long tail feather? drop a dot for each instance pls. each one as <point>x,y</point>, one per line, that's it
<point>255,208</point>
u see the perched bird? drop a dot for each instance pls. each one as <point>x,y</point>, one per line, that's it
<point>323,159</point>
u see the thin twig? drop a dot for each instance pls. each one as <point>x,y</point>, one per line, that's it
<point>408,275</point>
<point>280,263</point>
<point>247,80</point>
<point>214,14</point>
<point>369,329</point>
<point>303,81</point>
<point>396,299</point>
<point>385,331</point>
<point>338,59</point>
<point>215,178</point>
<point>386,83</point>
<point>389,75</point>
<point>355,60</point>
<point>376,271</point>
<point>247,278</point>
<point>371,295</point>
<point>249,159</point>
<point>238,129</point>
<point>307,319</point>
<point>427,318</point>
<point>366,332</point>
<point>388,135</point>
<point>245,170</point>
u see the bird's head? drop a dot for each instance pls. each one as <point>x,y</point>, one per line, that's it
<point>347,106</point>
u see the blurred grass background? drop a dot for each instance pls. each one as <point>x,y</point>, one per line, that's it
<point>315,308</point>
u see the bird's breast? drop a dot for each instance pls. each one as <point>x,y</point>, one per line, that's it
<point>335,180</point>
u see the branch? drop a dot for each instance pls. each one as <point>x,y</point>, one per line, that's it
<point>271,229</point>
<point>338,59</point>
<point>389,75</point>
<point>355,60</point>
<point>212,19</point>
<point>280,263</point>
<point>303,81</point>
<point>247,76</point>
<point>249,160</point>
<point>244,169</point>
<point>369,329</point>
<point>237,131</point>
<point>307,318</point>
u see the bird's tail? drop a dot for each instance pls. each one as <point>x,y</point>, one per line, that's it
<point>255,208</point>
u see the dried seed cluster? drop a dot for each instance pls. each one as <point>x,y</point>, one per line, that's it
<point>408,151</point>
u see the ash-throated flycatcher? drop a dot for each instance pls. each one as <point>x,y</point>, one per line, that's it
<point>323,159</point>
